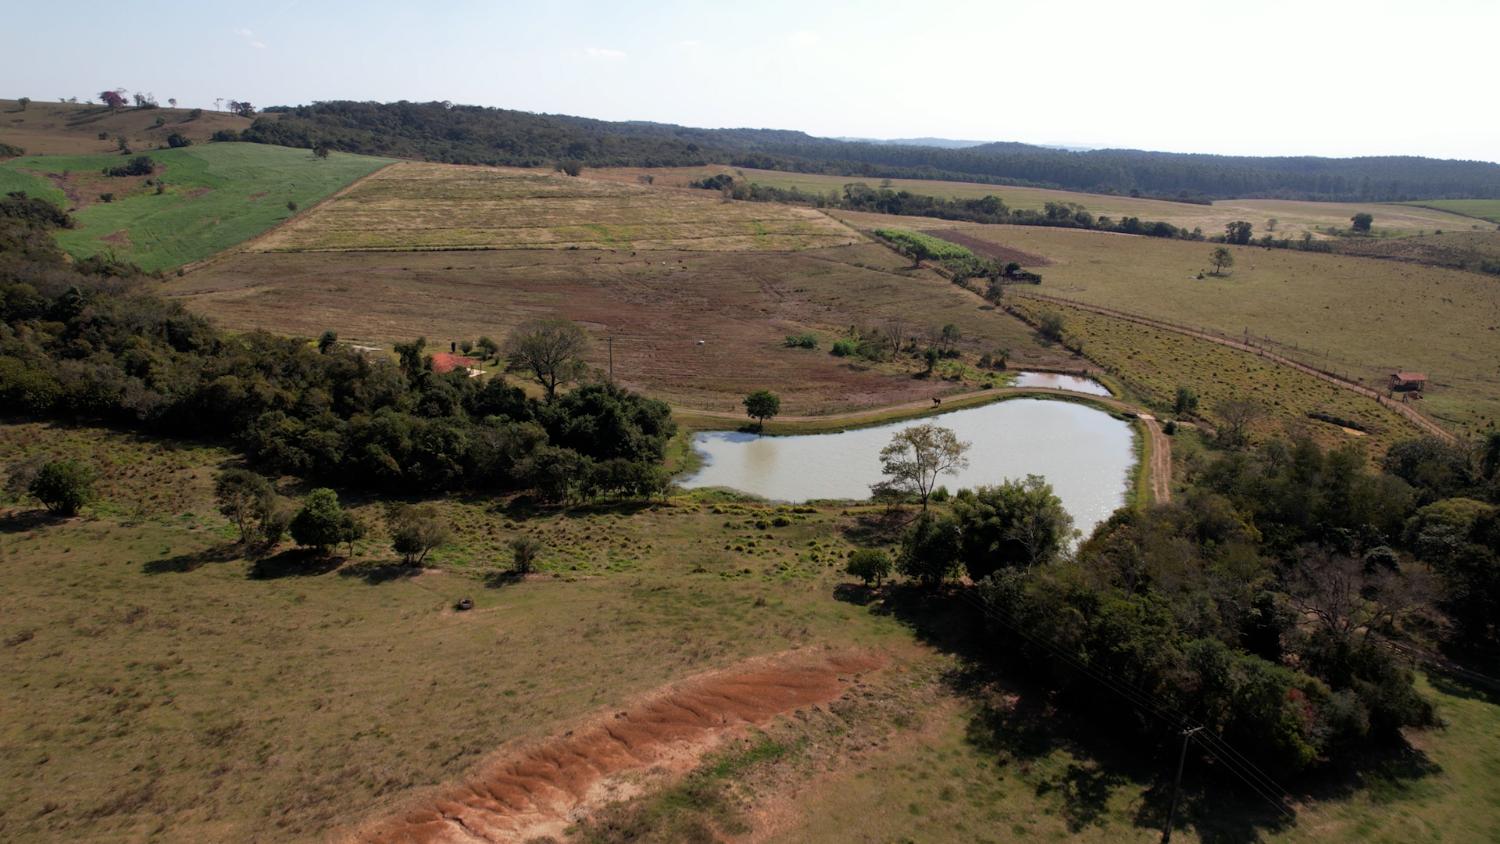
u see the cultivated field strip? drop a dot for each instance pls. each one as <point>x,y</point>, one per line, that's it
<point>435,207</point>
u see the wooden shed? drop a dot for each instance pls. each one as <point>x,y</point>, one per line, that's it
<point>1408,382</point>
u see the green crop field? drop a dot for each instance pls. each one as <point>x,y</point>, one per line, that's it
<point>1485,209</point>
<point>444,207</point>
<point>216,196</point>
<point>1360,316</point>
<point>1292,217</point>
<point>936,247</point>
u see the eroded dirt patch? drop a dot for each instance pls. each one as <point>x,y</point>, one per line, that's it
<point>539,789</point>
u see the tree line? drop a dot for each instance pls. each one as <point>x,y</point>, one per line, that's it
<point>86,341</point>
<point>445,132</point>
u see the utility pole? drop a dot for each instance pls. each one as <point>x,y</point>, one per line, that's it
<point>1187,736</point>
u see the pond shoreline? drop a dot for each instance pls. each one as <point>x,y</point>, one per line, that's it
<point>1093,456</point>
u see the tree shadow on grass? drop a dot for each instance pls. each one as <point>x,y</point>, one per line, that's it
<point>192,560</point>
<point>295,562</point>
<point>375,573</point>
<point>855,593</point>
<point>501,578</point>
<point>878,528</point>
<point>21,521</point>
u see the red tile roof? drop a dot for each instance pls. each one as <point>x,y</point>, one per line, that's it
<point>444,362</point>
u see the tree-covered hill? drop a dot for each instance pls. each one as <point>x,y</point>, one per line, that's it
<point>478,135</point>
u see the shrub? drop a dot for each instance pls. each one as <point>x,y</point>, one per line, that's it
<point>141,165</point>
<point>523,553</point>
<point>63,486</point>
<point>245,497</point>
<point>843,348</point>
<point>800,341</point>
<point>870,565</point>
<point>1050,324</point>
<point>321,521</point>
<point>176,140</point>
<point>416,529</point>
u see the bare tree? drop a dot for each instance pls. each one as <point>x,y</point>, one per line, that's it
<point>917,456</point>
<point>897,331</point>
<point>551,350</point>
<point>1352,600</point>
<point>1236,416</point>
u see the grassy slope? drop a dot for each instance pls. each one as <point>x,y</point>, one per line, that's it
<point>742,304</point>
<point>157,691</point>
<point>160,692</point>
<point>1293,217</point>
<point>1361,316</point>
<point>1485,209</point>
<point>218,195</point>
<point>73,128</point>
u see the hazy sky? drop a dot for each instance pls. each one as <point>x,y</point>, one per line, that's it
<point>1311,77</point>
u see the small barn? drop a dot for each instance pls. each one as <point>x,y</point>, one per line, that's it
<point>1408,382</point>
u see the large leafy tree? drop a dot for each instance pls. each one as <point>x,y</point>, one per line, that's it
<point>762,405</point>
<point>1013,524</point>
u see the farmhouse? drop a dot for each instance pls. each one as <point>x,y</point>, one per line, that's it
<point>1408,382</point>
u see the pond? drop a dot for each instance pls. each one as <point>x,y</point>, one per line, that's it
<point>1055,381</point>
<point>1086,454</point>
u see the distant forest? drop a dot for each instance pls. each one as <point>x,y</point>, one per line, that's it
<point>478,135</point>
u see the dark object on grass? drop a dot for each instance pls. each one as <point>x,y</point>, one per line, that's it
<point>464,604</point>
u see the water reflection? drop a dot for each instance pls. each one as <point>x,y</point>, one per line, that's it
<point>1085,454</point>
<point>1054,381</point>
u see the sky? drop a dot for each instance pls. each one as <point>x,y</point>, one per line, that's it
<point>1265,78</point>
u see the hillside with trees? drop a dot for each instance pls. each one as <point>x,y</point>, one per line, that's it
<point>441,131</point>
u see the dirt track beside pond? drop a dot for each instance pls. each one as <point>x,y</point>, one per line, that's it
<point>538,790</point>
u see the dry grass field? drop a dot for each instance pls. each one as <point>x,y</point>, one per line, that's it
<point>45,128</point>
<point>439,206</point>
<point>1293,217</point>
<point>1152,363</point>
<point>164,688</point>
<point>1360,316</point>
<point>657,306</point>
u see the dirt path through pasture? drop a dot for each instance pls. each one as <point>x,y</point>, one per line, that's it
<point>538,790</point>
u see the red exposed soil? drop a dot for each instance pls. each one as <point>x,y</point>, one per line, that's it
<point>538,790</point>
<point>445,362</point>
<point>991,250</point>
